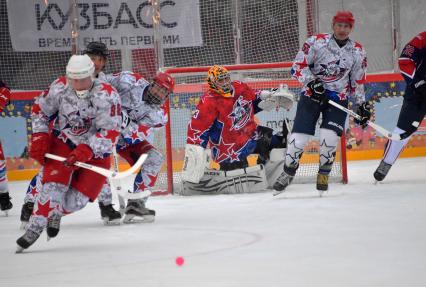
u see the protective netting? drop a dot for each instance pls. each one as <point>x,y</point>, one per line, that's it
<point>37,38</point>
<point>191,85</point>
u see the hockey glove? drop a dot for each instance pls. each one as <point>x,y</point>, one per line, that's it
<point>4,97</point>
<point>364,111</point>
<point>419,91</point>
<point>276,98</point>
<point>39,146</point>
<point>81,153</point>
<point>317,91</point>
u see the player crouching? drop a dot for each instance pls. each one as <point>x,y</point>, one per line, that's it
<point>224,122</point>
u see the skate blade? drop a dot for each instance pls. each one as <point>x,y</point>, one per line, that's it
<point>19,249</point>
<point>322,192</point>
<point>131,218</point>
<point>112,222</point>
<point>276,192</point>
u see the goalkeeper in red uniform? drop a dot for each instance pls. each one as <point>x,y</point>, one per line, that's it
<point>224,122</point>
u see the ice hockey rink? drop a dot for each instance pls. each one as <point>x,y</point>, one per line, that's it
<point>360,234</point>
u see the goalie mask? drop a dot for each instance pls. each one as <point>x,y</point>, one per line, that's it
<point>80,73</point>
<point>159,90</point>
<point>219,81</point>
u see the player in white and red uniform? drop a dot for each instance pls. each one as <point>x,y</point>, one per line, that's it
<point>412,64</point>
<point>98,52</point>
<point>330,67</point>
<point>141,103</point>
<point>5,203</point>
<point>87,124</point>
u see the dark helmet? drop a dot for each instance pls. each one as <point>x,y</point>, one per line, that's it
<point>97,48</point>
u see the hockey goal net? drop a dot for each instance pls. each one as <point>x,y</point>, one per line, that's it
<point>190,85</point>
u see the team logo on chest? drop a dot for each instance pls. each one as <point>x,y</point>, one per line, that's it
<point>77,125</point>
<point>240,114</point>
<point>331,71</point>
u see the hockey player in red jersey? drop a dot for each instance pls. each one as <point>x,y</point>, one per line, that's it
<point>330,67</point>
<point>87,115</point>
<point>224,122</point>
<point>5,203</point>
<point>412,64</point>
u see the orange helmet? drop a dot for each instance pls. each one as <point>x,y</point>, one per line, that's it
<point>219,80</point>
<point>344,17</point>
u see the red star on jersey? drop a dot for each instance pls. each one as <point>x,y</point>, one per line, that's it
<point>33,191</point>
<point>321,37</point>
<point>35,109</point>
<point>112,135</point>
<point>43,209</point>
<point>144,130</point>
<point>234,156</point>
<point>61,80</point>
<point>135,136</point>
<point>193,135</point>
<point>223,150</point>
<point>298,73</point>
<point>108,88</point>
<point>136,76</point>
<point>152,179</point>
<point>358,45</point>
<point>303,64</point>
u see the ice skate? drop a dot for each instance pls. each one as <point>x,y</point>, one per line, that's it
<point>322,183</point>
<point>5,203</point>
<point>136,212</point>
<point>109,215</point>
<point>381,171</point>
<point>282,182</point>
<point>26,240</point>
<point>53,226</point>
<point>26,211</point>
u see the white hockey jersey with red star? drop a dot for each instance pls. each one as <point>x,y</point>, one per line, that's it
<point>94,120</point>
<point>342,70</point>
<point>142,116</point>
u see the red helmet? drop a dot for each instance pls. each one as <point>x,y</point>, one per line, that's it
<point>165,80</point>
<point>344,17</point>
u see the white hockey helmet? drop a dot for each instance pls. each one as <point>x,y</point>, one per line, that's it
<point>80,70</point>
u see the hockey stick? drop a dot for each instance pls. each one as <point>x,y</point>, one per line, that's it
<point>105,172</point>
<point>383,131</point>
<point>117,187</point>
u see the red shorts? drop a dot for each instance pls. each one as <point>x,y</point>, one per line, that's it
<point>85,181</point>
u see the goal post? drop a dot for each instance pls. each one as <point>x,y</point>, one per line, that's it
<point>190,86</point>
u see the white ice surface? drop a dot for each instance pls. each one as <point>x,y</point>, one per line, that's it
<point>359,234</point>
